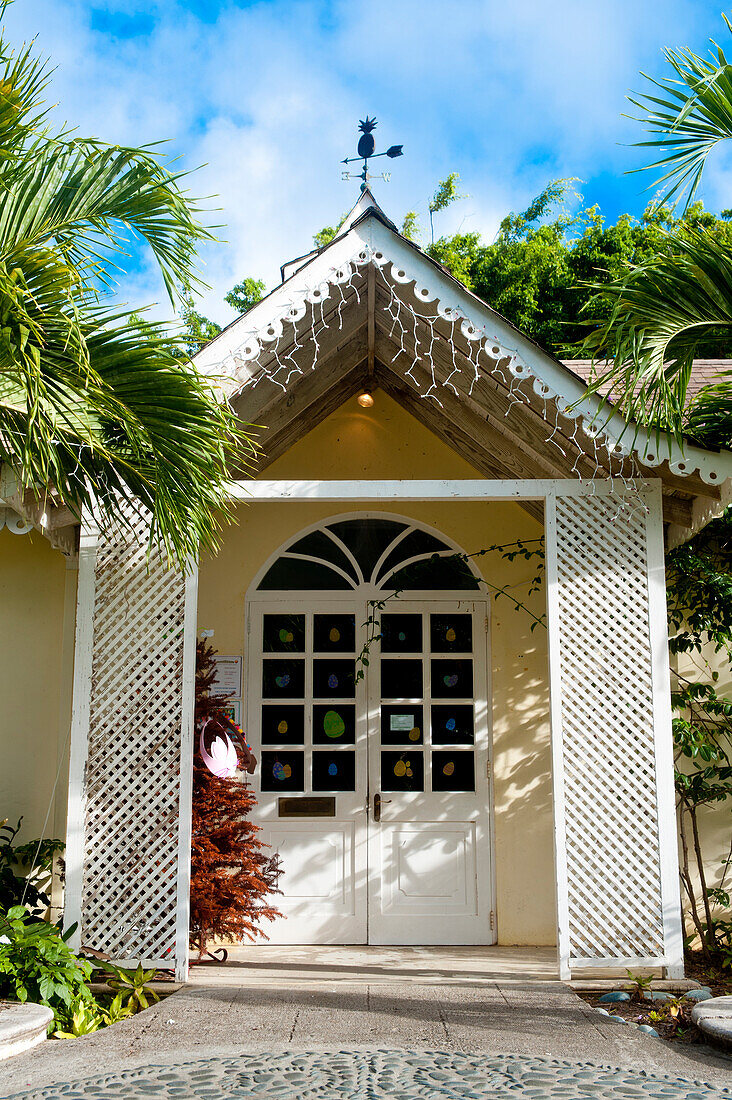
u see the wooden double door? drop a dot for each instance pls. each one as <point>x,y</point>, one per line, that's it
<point>372,731</point>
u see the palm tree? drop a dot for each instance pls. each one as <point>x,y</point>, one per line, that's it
<point>660,311</point>
<point>99,408</point>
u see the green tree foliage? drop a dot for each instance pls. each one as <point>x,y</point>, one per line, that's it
<point>198,329</point>
<point>545,264</point>
<point>325,235</point>
<point>245,295</point>
<point>650,322</point>
<point>95,406</point>
<point>445,195</point>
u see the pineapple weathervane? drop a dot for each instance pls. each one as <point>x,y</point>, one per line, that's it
<point>366,146</point>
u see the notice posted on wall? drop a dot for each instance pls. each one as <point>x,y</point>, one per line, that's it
<point>401,722</point>
<point>228,676</point>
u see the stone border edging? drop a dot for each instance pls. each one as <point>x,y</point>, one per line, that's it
<point>22,1026</point>
<point>714,1018</point>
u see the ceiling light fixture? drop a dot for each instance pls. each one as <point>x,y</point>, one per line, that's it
<point>366,398</point>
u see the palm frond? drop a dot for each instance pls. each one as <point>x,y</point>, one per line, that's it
<point>708,418</point>
<point>689,116</point>
<point>659,313</point>
<point>143,427</point>
<point>103,410</point>
<point>82,196</point>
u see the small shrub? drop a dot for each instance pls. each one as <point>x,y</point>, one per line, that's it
<point>639,986</point>
<point>20,866</point>
<point>84,1018</point>
<point>134,985</point>
<point>36,964</point>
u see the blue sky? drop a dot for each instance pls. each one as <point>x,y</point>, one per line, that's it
<point>267,96</point>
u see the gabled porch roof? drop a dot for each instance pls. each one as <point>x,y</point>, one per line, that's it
<point>371,309</point>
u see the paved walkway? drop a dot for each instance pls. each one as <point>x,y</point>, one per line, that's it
<point>522,1019</point>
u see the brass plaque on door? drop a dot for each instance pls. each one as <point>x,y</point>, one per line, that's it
<point>306,807</point>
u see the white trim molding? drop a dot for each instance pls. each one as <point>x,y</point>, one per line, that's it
<point>233,359</point>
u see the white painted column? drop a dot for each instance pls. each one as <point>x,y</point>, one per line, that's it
<point>78,750</point>
<point>667,824</point>
<point>555,702</point>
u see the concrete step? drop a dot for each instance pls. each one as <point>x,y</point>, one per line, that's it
<point>22,1026</point>
<point>714,1018</point>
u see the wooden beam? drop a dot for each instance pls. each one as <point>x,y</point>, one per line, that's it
<point>282,436</point>
<point>488,391</point>
<point>488,433</point>
<point>677,510</point>
<point>299,348</point>
<point>525,430</point>
<point>461,436</point>
<point>371,325</point>
<point>256,404</point>
<point>374,490</point>
<point>693,484</point>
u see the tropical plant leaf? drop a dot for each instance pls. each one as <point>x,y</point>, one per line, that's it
<point>100,410</point>
<point>689,116</point>
<point>659,313</point>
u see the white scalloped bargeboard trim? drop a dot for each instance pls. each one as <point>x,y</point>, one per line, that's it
<point>16,524</point>
<point>237,364</point>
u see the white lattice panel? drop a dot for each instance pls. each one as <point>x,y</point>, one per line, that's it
<point>130,863</point>
<point>614,895</point>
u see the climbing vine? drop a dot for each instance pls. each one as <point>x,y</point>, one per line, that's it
<point>526,549</point>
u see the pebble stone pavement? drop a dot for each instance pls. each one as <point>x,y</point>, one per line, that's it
<point>371,1075</point>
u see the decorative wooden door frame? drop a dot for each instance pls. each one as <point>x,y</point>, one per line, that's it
<point>653,886</point>
<point>312,602</point>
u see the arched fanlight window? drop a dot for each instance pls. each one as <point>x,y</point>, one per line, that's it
<point>388,554</point>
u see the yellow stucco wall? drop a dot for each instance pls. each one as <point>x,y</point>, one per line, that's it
<point>386,442</point>
<point>715,821</point>
<point>35,679</point>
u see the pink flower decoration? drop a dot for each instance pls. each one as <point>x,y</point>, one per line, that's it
<point>222,761</point>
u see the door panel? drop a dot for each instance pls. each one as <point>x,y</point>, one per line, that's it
<point>306,717</point>
<point>429,841</point>
<point>413,729</point>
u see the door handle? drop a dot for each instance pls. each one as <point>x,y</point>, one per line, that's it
<point>378,803</point>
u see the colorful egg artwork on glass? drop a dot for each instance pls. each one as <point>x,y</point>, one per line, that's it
<point>332,769</point>
<point>332,681</point>
<point>448,768</point>
<point>414,733</point>
<point>333,724</point>
<point>282,728</point>
<point>402,636</point>
<point>451,681</point>
<point>450,635</point>
<point>286,636</point>
<point>282,681</point>
<point>402,768</point>
<point>450,724</point>
<point>281,771</point>
<point>335,634</point>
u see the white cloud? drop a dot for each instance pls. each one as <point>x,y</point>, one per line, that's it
<point>268,96</point>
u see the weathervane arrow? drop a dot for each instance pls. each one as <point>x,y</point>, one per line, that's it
<point>366,146</point>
